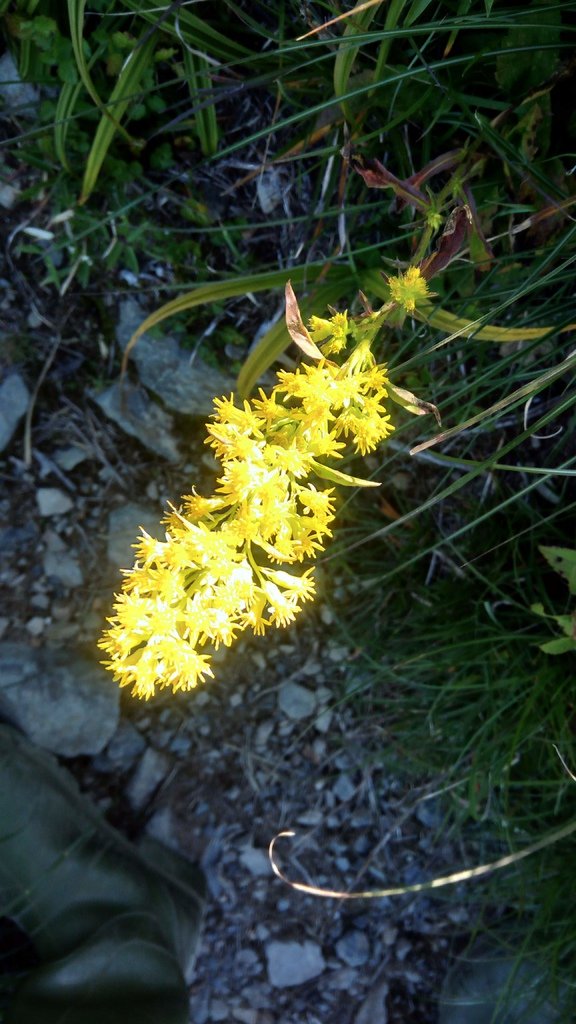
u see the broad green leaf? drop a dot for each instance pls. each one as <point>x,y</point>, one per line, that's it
<point>113,926</point>
<point>563,560</point>
<point>559,646</point>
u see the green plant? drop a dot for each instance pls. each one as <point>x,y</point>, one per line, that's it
<point>563,561</point>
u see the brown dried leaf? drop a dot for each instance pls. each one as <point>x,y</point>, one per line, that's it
<point>295,325</point>
<point>457,226</point>
<point>375,175</point>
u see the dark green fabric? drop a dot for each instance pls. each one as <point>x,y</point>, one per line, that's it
<point>114,927</point>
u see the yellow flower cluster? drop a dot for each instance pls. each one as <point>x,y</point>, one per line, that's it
<point>409,289</point>
<point>222,567</point>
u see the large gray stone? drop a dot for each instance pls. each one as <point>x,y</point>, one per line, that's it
<point>20,97</point>
<point>14,398</point>
<point>134,412</point>
<point>60,699</point>
<point>184,385</point>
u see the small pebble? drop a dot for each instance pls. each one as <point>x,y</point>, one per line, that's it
<point>52,501</point>
<point>353,948</point>
<point>344,789</point>
<point>36,625</point>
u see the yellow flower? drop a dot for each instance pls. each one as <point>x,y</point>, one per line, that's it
<point>222,566</point>
<point>409,289</point>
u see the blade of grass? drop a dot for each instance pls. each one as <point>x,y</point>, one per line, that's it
<point>199,83</point>
<point>122,95</point>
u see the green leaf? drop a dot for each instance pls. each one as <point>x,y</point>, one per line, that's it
<point>529,58</point>
<point>76,19</point>
<point>560,646</point>
<point>200,84</point>
<point>344,479</point>
<point>122,95</point>
<point>563,560</point>
<point>65,107</point>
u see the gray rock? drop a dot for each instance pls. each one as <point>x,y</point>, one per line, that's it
<point>61,700</point>
<point>293,963</point>
<point>296,701</point>
<point>53,502</point>
<point>8,196</point>
<point>353,948</point>
<point>344,788</point>
<point>269,189</point>
<point>20,97</point>
<point>256,861</point>
<point>70,457</point>
<point>14,539</point>
<point>323,721</point>
<point>429,813</point>
<point>14,399</point>
<point>185,387</point>
<point>59,562</point>
<point>126,745</point>
<point>373,1009</point>
<point>124,530</point>
<point>133,411</point>
<point>151,771</point>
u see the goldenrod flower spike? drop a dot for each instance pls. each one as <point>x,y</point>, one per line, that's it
<point>227,562</point>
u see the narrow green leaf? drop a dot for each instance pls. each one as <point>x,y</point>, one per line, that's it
<point>200,85</point>
<point>122,95</point>
<point>67,101</point>
<point>347,54</point>
<point>76,19</point>
<point>344,479</point>
<point>417,8</point>
<point>195,31</point>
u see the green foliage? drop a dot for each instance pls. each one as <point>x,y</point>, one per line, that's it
<point>563,561</point>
